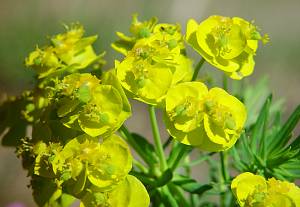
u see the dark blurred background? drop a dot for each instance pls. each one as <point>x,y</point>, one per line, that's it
<point>23,24</point>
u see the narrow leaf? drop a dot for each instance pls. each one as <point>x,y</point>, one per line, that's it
<point>283,136</point>
<point>258,129</point>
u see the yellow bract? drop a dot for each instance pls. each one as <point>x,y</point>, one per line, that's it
<point>154,61</point>
<point>227,43</point>
<point>91,105</point>
<point>69,51</point>
<point>129,193</point>
<point>107,163</point>
<point>254,190</point>
<point>211,120</point>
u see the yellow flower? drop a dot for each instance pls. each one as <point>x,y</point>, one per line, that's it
<point>95,107</point>
<point>43,61</point>
<point>68,51</point>
<point>154,60</point>
<point>254,190</point>
<point>283,191</point>
<point>246,184</point>
<point>229,44</point>
<point>210,120</point>
<point>73,49</point>
<point>153,65</point>
<point>129,193</point>
<point>107,163</point>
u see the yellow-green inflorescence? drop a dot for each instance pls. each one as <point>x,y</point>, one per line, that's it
<point>75,108</point>
<point>227,43</point>
<point>90,169</point>
<point>74,113</point>
<point>68,51</point>
<point>153,61</point>
<point>254,190</point>
<point>211,120</point>
<point>97,107</point>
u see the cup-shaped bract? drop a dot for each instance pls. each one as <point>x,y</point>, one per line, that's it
<point>129,193</point>
<point>154,64</point>
<point>91,105</point>
<point>254,190</point>
<point>211,120</point>
<point>107,163</point>
<point>43,61</point>
<point>138,30</point>
<point>227,43</point>
<point>67,51</point>
<point>104,164</point>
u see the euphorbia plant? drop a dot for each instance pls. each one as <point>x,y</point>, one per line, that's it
<point>78,147</point>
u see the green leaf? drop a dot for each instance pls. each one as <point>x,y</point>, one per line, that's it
<point>147,147</point>
<point>283,136</point>
<point>144,178</point>
<point>167,142</point>
<point>196,188</point>
<point>45,191</point>
<point>178,153</point>
<point>62,133</point>
<point>80,183</point>
<point>13,137</point>
<point>165,178</point>
<point>244,147</point>
<point>12,121</point>
<point>191,185</point>
<point>137,147</point>
<point>296,143</point>
<point>258,132</point>
<point>41,131</point>
<point>122,46</point>
<point>67,106</point>
<point>66,200</point>
<point>237,160</point>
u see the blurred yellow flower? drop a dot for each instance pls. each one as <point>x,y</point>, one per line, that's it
<point>69,51</point>
<point>227,43</point>
<point>254,190</point>
<point>211,120</point>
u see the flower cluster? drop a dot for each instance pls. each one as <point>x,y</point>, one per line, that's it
<point>155,61</point>
<point>73,150</point>
<point>89,170</point>
<point>255,190</point>
<point>97,107</point>
<point>68,51</point>
<point>227,43</point>
<point>211,120</point>
<point>155,71</point>
<point>75,109</point>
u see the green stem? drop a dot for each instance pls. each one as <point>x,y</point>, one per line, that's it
<point>197,69</point>
<point>177,191</point>
<point>127,135</point>
<point>225,177</point>
<point>169,140</point>
<point>181,153</point>
<point>223,157</point>
<point>199,160</point>
<point>225,82</point>
<point>169,197</point>
<point>224,167</point>
<point>140,166</point>
<point>157,140</point>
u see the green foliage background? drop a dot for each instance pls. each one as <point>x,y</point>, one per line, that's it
<point>24,23</point>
